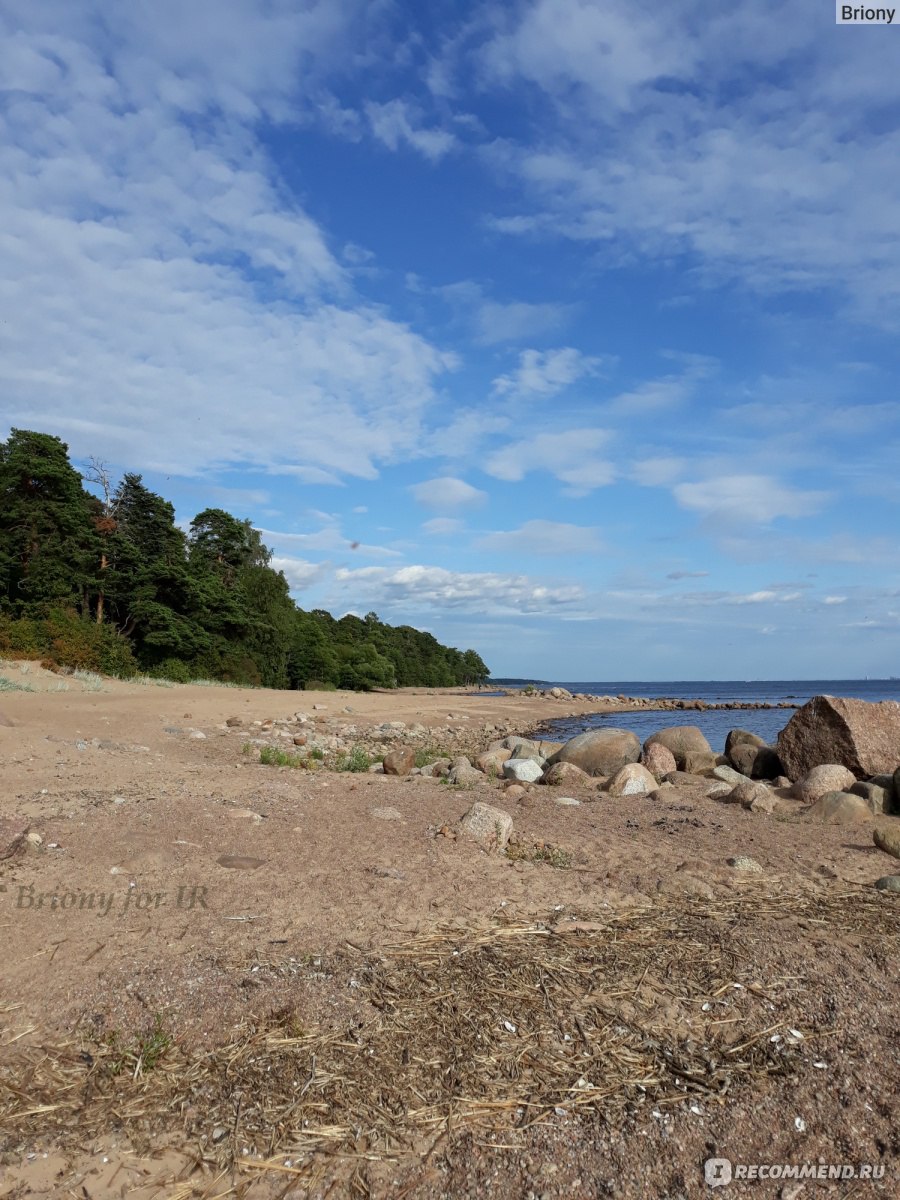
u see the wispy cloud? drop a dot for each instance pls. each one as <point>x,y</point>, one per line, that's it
<point>436,587</point>
<point>573,457</point>
<point>447,493</point>
<point>543,538</point>
<point>544,373</point>
<point>743,499</point>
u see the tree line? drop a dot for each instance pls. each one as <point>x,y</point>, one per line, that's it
<point>107,580</point>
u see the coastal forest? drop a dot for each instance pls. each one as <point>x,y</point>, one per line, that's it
<point>105,580</point>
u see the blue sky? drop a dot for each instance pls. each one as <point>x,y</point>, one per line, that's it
<point>565,330</point>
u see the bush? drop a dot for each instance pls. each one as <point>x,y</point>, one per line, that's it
<point>357,760</point>
<point>62,637</point>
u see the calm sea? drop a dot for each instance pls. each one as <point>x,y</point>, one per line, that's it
<point>766,722</point>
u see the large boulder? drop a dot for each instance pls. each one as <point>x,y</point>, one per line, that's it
<point>399,762</point>
<point>759,762</point>
<point>564,772</point>
<point>523,770</point>
<point>879,800</point>
<point>659,759</point>
<point>887,838</point>
<point>632,780</point>
<point>753,796</point>
<point>829,777</point>
<point>679,739</point>
<point>600,751</point>
<point>699,762</point>
<point>863,737</point>
<point>841,808</point>
<point>742,737</point>
<point>491,761</point>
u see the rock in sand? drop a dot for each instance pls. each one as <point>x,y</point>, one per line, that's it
<point>861,736</point>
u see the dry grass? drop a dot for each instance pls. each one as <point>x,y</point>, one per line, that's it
<point>492,1028</point>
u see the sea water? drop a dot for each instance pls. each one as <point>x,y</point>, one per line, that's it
<point>767,722</point>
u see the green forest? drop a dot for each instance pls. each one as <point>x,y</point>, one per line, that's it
<point>105,580</point>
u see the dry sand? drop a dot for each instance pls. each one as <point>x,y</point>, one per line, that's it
<point>677,955</point>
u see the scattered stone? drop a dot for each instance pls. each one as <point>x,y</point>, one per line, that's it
<point>488,825</point>
<point>841,808</point>
<point>659,759</point>
<point>197,735</point>
<point>246,814</point>
<point>861,736</point>
<point>751,795</point>
<point>462,771</point>
<point>12,834</point>
<point>491,761</point>
<point>400,761</point>
<point>632,780</point>
<point>299,739</point>
<point>34,840</point>
<point>240,862</point>
<point>600,751</point>
<point>564,772</point>
<point>742,863</point>
<point>888,883</point>
<point>514,791</point>
<point>828,777</point>
<point>719,790</point>
<point>566,801</point>
<point>522,770</point>
<point>234,722</point>
<point>680,739</point>
<point>888,840</point>
<point>387,814</point>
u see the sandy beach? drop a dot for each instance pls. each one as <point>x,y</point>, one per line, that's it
<point>175,896</point>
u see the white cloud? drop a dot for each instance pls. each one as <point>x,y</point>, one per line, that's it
<point>399,122</point>
<point>151,233</point>
<point>543,373</point>
<point>659,471</point>
<point>655,395</point>
<point>687,575</point>
<point>609,50</point>
<point>571,456</point>
<point>670,133</point>
<point>442,526</point>
<point>299,573</point>
<point>436,587</point>
<point>835,600</point>
<point>447,492</point>
<point>543,537</point>
<point>747,499</point>
<point>511,322</point>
